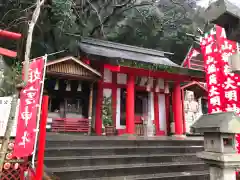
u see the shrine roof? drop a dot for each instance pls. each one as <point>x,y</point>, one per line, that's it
<point>219,12</point>
<point>198,88</point>
<point>122,51</point>
<point>71,66</point>
<point>226,122</point>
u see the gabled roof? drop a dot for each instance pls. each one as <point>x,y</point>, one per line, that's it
<point>54,66</point>
<point>197,88</point>
<point>226,122</point>
<point>194,59</point>
<point>122,51</point>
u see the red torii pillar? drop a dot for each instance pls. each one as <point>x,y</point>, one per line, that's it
<point>10,35</point>
<point>177,109</point>
<point>130,105</point>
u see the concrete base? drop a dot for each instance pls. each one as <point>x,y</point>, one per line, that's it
<point>217,173</point>
<point>179,136</point>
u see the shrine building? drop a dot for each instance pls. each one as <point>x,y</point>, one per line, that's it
<point>117,89</point>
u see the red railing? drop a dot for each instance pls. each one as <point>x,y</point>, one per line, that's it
<point>70,125</point>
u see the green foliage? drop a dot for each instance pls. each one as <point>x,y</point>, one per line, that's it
<point>164,68</point>
<point>152,24</point>
<point>11,77</point>
<point>107,111</point>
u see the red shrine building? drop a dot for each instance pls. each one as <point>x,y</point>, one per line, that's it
<point>117,89</point>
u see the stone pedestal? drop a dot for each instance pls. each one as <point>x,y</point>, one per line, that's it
<point>217,173</point>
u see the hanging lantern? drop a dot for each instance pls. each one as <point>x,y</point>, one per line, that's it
<point>143,81</point>
<point>149,84</point>
<point>159,85</point>
<point>166,88</point>
<point>6,166</point>
<point>68,88</point>
<point>10,146</point>
<point>9,156</point>
<point>56,85</point>
<point>16,166</point>
<point>79,87</point>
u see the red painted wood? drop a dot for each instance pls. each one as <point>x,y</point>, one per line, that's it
<point>98,119</point>
<point>167,105</point>
<point>7,52</point>
<point>11,35</point>
<point>112,67</point>
<point>130,102</point>
<point>158,74</point>
<point>138,88</point>
<point>177,109</point>
<point>183,114</point>
<point>114,97</point>
<point>70,125</point>
<point>121,131</point>
<point>156,112</point>
<point>42,139</point>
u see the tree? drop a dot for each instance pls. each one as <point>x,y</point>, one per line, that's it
<point>151,23</point>
<point>148,23</point>
<point>15,96</point>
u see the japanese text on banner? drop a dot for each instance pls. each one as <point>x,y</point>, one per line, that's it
<point>29,104</point>
<point>213,73</point>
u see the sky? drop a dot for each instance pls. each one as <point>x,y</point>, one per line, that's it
<point>205,3</point>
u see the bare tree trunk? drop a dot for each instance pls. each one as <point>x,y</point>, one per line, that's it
<point>11,118</point>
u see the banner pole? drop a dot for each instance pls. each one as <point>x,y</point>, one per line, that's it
<point>39,113</point>
<point>42,138</point>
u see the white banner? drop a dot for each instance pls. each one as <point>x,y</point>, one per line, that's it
<point>5,106</point>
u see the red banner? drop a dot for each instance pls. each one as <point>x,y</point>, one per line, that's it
<point>228,89</point>
<point>213,74</point>
<point>231,81</point>
<point>29,104</point>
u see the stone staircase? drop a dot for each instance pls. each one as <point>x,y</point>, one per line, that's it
<point>120,158</point>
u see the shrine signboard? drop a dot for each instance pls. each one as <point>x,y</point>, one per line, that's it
<point>29,104</point>
<point>5,106</point>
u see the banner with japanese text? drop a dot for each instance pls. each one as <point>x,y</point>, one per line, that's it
<point>28,110</point>
<point>231,81</point>
<point>217,49</point>
<point>213,74</point>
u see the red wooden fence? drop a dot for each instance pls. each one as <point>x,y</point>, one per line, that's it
<point>70,125</point>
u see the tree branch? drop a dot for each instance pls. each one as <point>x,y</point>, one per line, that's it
<point>114,11</point>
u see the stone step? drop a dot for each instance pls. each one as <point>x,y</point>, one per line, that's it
<point>109,143</point>
<point>125,169</point>
<point>53,162</point>
<point>93,151</point>
<point>191,175</point>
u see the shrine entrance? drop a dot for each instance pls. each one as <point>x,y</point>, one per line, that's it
<point>70,88</point>
<point>141,110</point>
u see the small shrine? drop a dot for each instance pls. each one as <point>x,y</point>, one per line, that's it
<point>117,89</point>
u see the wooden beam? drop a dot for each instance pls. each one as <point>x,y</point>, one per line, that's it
<point>90,109</point>
<point>10,35</point>
<point>158,74</point>
<point>7,52</point>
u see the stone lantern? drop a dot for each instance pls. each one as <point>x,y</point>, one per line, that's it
<point>219,153</point>
<point>227,15</point>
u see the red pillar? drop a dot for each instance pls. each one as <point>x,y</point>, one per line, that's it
<point>130,102</point>
<point>98,122</point>
<point>183,113</point>
<point>177,109</point>
<point>167,105</point>
<point>156,113</point>
<point>42,139</point>
<point>114,97</point>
